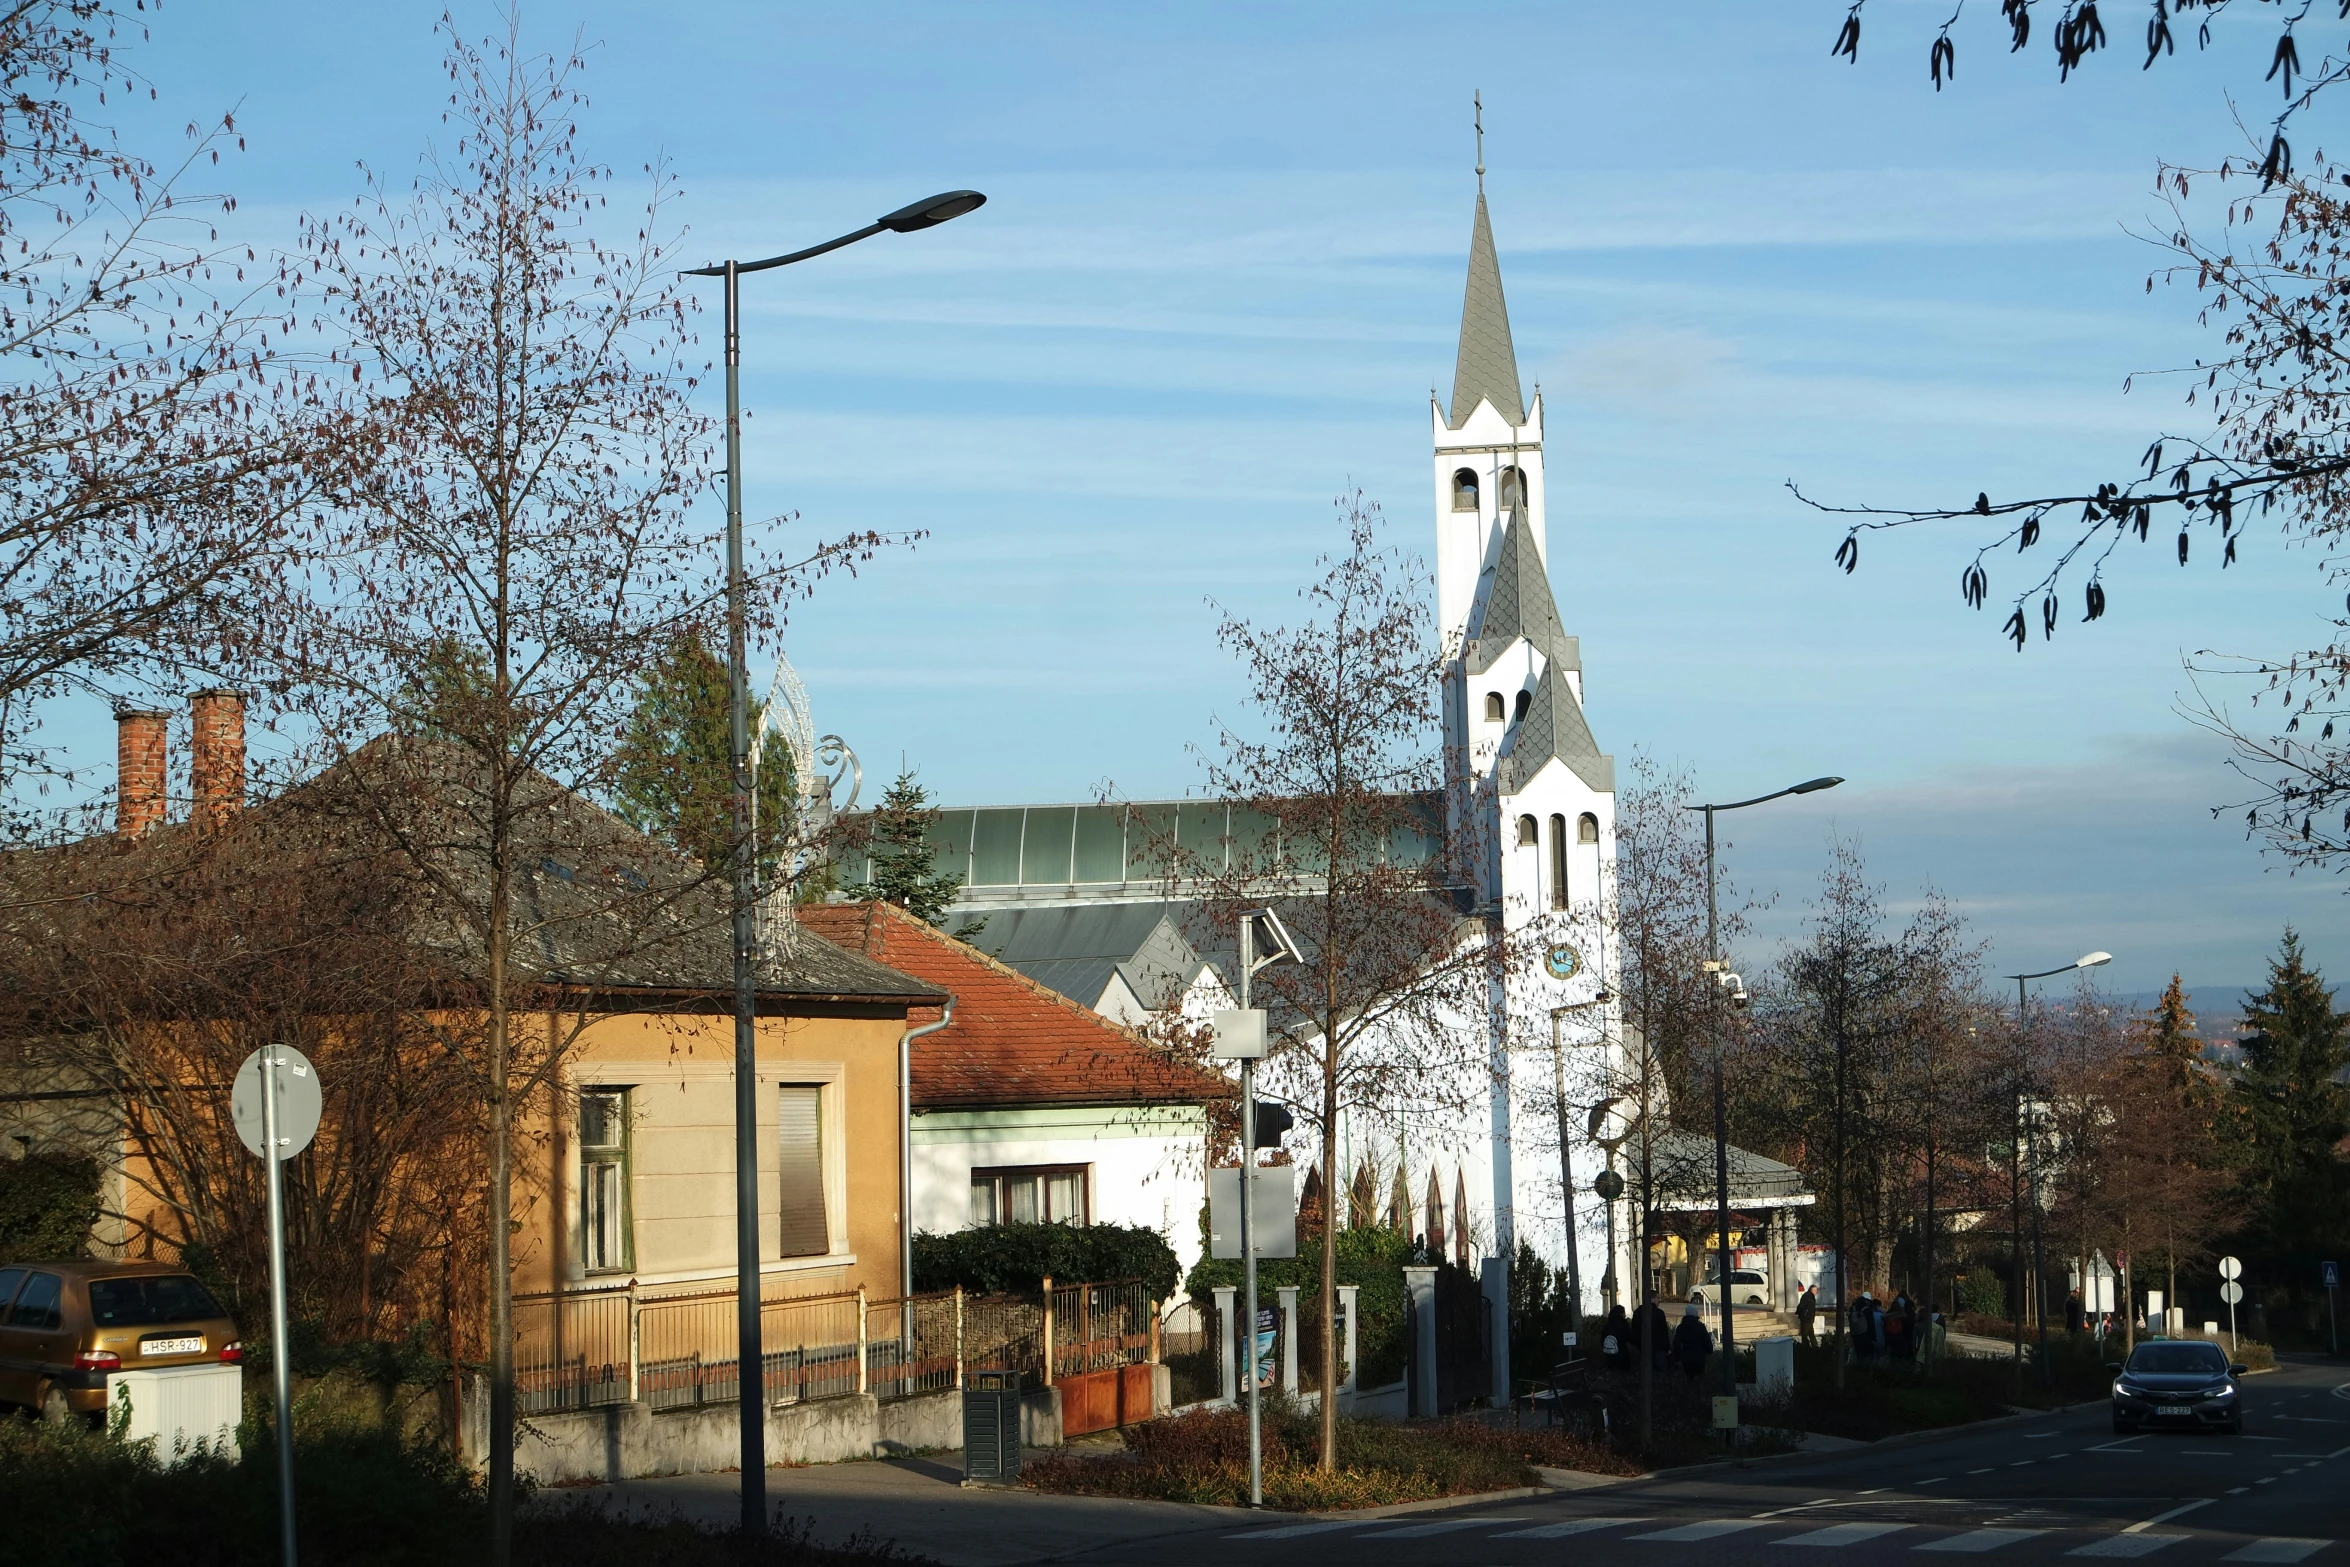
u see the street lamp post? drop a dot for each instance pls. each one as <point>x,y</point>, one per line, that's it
<point>2032,1160</point>
<point>1722,978</point>
<point>750,1359</point>
<point>1558,1066</point>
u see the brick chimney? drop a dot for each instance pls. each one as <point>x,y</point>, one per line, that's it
<point>216,767</point>
<point>139,763</point>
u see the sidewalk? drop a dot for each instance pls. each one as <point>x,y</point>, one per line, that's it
<point>920,1504</point>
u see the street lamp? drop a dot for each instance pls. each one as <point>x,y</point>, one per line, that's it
<point>2039,1263</point>
<point>750,1357</point>
<point>1728,983</point>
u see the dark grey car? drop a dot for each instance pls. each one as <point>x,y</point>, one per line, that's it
<point>2184,1383</point>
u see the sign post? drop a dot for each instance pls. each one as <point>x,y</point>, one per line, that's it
<point>1240,1035</point>
<point>2333,1281</point>
<point>2231,1270</point>
<point>276,1105</point>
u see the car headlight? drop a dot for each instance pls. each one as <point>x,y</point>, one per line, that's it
<point>2225,1390</point>
<point>2125,1390</point>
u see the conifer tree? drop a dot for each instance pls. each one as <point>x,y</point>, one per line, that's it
<point>2292,1109</point>
<point>674,775</point>
<point>2166,1036</point>
<point>905,862</point>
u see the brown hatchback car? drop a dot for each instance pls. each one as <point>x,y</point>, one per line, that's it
<point>65,1325</point>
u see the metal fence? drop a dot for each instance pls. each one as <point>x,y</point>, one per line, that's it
<point>572,1351</point>
<point>677,1348</point>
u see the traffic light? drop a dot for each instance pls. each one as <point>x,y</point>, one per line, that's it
<point>1272,1120</point>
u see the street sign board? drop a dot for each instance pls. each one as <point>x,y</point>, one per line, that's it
<point>2230,1268</point>
<point>2121,1260</point>
<point>2231,1292</point>
<point>1273,1221</point>
<point>2333,1274</point>
<point>298,1103</point>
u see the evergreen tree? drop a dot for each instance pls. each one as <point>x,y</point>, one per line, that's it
<point>2293,1111</point>
<point>905,862</point>
<point>2173,1051</point>
<point>674,779</point>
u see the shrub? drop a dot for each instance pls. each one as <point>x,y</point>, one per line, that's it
<point>1981,1293</point>
<point>48,1202</point>
<point>1002,1259</point>
<point>1372,1260</point>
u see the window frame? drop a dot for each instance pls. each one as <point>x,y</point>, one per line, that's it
<point>1473,492</point>
<point>997,1175</point>
<point>829,1151</point>
<point>621,1156</point>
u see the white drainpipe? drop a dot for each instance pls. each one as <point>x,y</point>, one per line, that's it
<point>906,1143</point>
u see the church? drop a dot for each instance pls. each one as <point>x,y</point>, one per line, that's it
<point>1073,895</point>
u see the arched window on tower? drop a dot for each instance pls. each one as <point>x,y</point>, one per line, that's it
<point>1493,707</point>
<point>1558,862</point>
<point>1464,489</point>
<point>1587,829</point>
<point>1525,700</point>
<point>1513,487</point>
<point>1526,838</point>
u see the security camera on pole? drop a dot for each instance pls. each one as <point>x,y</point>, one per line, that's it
<point>275,1105</point>
<point>1240,1036</point>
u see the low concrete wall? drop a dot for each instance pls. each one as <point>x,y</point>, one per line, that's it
<point>630,1441</point>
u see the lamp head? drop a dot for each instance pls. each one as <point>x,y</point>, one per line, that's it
<point>2093,960</point>
<point>1815,785</point>
<point>931,211</point>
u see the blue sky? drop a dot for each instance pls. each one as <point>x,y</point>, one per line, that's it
<point>1221,269</point>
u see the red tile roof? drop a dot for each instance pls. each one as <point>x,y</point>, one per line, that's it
<point>1013,1041</point>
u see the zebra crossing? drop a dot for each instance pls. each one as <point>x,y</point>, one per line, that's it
<point>2131,1543</point>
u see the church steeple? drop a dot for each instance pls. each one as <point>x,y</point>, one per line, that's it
<point>1487,368</point>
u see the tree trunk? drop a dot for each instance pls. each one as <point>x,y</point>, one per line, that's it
<point>1329,1310</point>
<point>501,1210</point>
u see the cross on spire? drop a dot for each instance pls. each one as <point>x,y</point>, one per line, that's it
<point>1477,97</point>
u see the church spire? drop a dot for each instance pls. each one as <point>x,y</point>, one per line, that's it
<point>1487,368</point>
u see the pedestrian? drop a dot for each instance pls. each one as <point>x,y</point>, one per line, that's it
<point>1692,1342</point>
<point>1652,1334</point>
<point>1807,1316</point>
<point>2073,1311</point>
<point>1862,1325</point>
<point>1937,1334</point>
<point>1901,1345</point>
<point>1615,1339</point>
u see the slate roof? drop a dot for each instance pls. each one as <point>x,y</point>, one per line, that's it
<point>1487,367</point>
<point>1686,1159</point>
<point>597,904</point>
<point>1076,949</point>
<point>1014,1041</point>
<point>1554,727</point>
<point>1519,604</point>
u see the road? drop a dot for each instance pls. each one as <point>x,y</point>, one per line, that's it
<point>2058,1486</point>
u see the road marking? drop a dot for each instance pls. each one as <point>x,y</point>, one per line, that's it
<point>2269,1480</point>
<point>1843,1534</point>
<point>2145,1524</point>
<point>2036,1436</point>
<point>1441,1526</point>
<point>2023,1463</point>
<point>1710,1530</point>
<point>1557,1531</point>
<point>2212,1452</point>
<point>1297,1530</point>
<point>2238,1490</point>
<point>1978,1471</point>
<point>2121,1446</point>
<point>2305,1455</point>
<point>2127,1545</point>
<point>1937,1480</point>
<point>1980,1540</point>
<point>2276,1549</point>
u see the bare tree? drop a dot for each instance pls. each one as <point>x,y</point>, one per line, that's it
<point>510,545</point>
<point>1390,1002</point>
<point>151,459</point>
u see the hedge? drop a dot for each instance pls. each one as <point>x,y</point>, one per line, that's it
<point>48,1203</point>
<point>1004,1259</point>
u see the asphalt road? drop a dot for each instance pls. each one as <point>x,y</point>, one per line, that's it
<point>2058,1486</point>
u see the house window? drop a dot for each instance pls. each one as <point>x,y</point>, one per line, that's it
<point>1558,862</point>
<point>1464,490</point>
<point>1525,701</point>
<point>1513,487</point>
<point>1030,1194</point>
<point>1493,707</point>
<point>799,1170</point>
<point>1526,835</point>
<point>1587,829</point>
<point>603,1180</point>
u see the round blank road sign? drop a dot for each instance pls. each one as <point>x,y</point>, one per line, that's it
<point>297,1101</point>
<point>2230,1268</point>
<point>2231,1292</point>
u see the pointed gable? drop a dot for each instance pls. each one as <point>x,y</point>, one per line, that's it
<point>1487,367</point>
<point>1518,604</point>
<point>1554,728</point>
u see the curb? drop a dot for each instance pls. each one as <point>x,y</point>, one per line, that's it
<point>1432,1504</point>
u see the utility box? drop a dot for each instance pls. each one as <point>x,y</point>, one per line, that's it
<point>180,1408</point>
<point>1774,1367</point>
<point>991,1428</point>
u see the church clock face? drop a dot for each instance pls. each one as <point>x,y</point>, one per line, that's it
<point>1563,961</point>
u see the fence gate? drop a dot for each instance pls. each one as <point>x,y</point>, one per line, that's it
<point>1464,1353</point>
<point>1100,1345</point>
